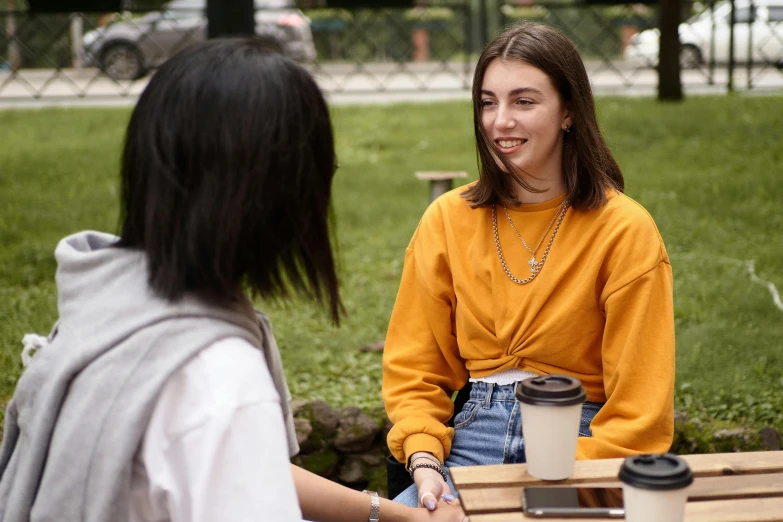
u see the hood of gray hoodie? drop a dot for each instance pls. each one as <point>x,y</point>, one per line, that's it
<point>81,408</point>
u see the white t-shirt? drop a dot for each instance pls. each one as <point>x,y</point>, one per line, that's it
<point>215,448</point>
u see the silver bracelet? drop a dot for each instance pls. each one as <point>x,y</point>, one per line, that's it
<point>375,506</point>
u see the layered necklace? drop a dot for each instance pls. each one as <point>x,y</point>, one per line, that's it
<point>535,265</point>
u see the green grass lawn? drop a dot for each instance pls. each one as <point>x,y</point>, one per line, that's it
<point>709,170</point>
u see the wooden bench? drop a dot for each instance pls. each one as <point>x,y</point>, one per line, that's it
<point>440,182</point>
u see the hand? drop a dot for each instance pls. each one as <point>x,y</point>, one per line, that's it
<point>432,488</point>
<point>445,513</point>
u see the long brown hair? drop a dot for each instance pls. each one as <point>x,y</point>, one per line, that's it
<point>588,165</point>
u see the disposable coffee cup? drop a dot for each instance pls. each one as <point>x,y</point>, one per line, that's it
<point>551,408</point>
<point>655,487</point>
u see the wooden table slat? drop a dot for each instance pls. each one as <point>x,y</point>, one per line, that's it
<point>745,510</point>
<point>509,498</point>
<point>497,498</point>
<point>745,486</point>
<point>591,470</point>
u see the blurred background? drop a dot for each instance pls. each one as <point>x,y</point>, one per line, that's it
<point>110,47</point>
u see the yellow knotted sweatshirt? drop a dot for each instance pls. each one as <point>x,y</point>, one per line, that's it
<point>601,310</point>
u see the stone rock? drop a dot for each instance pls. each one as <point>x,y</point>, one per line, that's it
<point>303,431</point>
<point>323,463</point>
<point>733,439</point>
<point>387,426</point>
<point>378,414</point>
<point>352,470</point>
<point>770,438</point>
<point>356,431</point>
<point>733,433</point>
<point>323,421</point>
<point>375,458</point>
<point>296,406</point>
<point>322,417</point>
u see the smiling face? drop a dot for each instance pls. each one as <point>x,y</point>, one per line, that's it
<point>523,116</point>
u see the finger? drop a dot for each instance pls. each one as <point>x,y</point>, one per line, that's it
<point>446,493</point>
<point>428,500</point>
<point>446,488</point>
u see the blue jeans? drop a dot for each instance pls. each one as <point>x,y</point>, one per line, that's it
<point>488,430</point>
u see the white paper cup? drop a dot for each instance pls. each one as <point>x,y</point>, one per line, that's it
<point>550,434</point>
<point>649,505</point>
<point>551,408</point>
<point>655,487</point>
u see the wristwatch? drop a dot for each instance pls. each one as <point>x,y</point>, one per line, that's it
<point>375,506</point>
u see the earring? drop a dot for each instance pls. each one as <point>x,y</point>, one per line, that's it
<point>567,128</point>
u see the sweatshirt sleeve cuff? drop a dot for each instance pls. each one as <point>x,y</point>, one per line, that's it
<point>423,442</point>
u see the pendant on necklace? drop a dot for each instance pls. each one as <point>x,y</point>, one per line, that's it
<point>532,264</point>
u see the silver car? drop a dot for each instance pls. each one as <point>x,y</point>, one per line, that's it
<point>128,48</point>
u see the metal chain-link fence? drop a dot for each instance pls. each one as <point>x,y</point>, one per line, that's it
<point>424,48</point>
<point>620,43</point>
<point>427,48</point>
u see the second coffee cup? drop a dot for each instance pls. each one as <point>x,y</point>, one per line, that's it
<point>655,487</point>
<point>551,408</point>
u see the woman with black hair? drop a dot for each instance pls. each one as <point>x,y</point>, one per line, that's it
<point>159,394</point>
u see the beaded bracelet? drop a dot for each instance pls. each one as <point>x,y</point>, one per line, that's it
<point>427,457</point>
<point>429,466</point>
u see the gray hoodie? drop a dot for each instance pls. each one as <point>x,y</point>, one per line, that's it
<point>80,410</point>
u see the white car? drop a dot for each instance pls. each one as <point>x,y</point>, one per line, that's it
<point>763,24</point>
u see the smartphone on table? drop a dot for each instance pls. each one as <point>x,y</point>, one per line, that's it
<point>576,502</point>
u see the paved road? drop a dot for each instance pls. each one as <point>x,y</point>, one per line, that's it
<point>369,83</point>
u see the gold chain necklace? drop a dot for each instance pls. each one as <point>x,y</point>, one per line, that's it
<point>540,265</point>
<point>532,263</point>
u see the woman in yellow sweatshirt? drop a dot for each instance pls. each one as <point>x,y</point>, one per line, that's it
<point>542,266</point>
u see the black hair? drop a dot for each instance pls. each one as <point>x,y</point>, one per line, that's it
<point>226,176</point>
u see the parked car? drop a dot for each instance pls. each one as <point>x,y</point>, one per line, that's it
<point>760,20</point>
<point>128,48</point>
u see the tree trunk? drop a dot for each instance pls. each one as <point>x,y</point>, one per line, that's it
<point>669,82</point>
<point>230,18</point>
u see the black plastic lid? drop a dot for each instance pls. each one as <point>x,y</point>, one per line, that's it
<point>663,471</point>
<point>551,390</point>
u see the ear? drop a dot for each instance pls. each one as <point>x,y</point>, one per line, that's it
<point>567,121</point>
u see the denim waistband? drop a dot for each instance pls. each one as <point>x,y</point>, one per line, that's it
<point>488,391</point>
<point>491,391</point>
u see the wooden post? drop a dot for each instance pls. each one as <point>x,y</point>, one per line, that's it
<point>440,182</point>
<point>732,23</point>
<point>626,32</point>
<point>420,38</point>
<point>77,33</point>
<point>421,44</point>
<point>14,57</point>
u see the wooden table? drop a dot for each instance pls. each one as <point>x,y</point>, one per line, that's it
<point>729,487</point>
